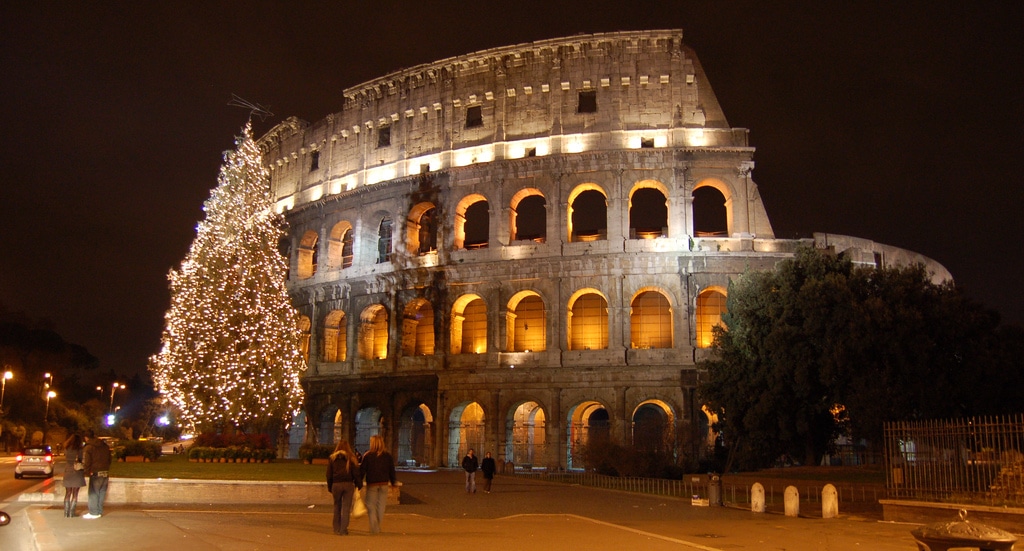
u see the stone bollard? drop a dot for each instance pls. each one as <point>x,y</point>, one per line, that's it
<point>757,498</point>
<point>792,498</point>
<point>829,502</point>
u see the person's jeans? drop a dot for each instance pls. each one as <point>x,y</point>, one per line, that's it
<point>471,482</point>
<point>343,493</point>
<point>97,492</point>
<point>376,499</point>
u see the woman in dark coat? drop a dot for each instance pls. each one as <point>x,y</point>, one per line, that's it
<point>343,479</point>
<point>74,478</point>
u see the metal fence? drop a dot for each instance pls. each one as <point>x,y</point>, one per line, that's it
<point>977,460</point>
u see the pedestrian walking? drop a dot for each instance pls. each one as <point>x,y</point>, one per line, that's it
<point>378,470</point>
<point>74,473</point>
<point>96,464</point>
<point>487,466</point>
<point>470,464</point>
<point>343,479</point>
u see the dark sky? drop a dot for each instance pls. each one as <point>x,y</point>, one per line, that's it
<point>895,121</point>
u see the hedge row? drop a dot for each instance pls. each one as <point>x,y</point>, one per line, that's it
<point>231,454</point>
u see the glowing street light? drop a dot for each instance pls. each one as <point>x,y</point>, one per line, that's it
<point>113,389</point>
<point>46,416</point>
<point>3,388</point>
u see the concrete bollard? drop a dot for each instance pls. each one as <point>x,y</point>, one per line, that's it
<point>792,499</point>
<point>829,502</point>
<point>757,498</point>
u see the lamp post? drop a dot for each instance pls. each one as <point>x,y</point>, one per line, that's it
<point>3,388</point>
<point>46,416</point>
<point>113,389</point>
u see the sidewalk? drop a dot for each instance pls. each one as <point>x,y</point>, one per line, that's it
<point>436,513</point>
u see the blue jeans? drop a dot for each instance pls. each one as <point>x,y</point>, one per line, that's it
<point>471,482</point>
<point>376,499</point>
<point>97,492</point>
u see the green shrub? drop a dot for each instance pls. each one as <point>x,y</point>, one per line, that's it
<point>124,448</point>
<point>309,452</point>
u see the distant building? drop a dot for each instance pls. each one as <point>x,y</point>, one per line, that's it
<point>522,249</point>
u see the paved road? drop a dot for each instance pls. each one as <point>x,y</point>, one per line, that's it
<point>437,514</point>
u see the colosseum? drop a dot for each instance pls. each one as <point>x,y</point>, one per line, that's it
<point>522,249</point>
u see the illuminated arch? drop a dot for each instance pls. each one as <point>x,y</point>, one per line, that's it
<point>590,223</point>
<point>587,320</point>
<point>465,431</point>
<point>415,435</point>
<point>384,240</point>
<point>650,319</point>
<point>307,254</point>
<point>373,333</point>
<point>335,337</point>
<point>525,434</point>
<point>648,210</point>
<point>339,246</point>
<point>461,220</point>
<point>421,229</point>
<point>469,325</point>
<point>528,216</point>
<point>526,323</point>
<point>712,213</point>
<point>587,423</point>
<point>330,425</point>
<point>369,421</point>
<point>418,328</point>
<point>711,305</point>
<point>652,427</point>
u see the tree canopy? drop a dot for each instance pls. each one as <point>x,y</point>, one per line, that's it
<point>820,347</point>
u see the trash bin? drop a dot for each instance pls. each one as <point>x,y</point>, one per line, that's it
<point>714,489</point>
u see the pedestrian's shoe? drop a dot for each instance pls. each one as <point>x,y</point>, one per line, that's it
<point>90,516</point>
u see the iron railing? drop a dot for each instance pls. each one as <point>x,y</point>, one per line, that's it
<point>975,460</point>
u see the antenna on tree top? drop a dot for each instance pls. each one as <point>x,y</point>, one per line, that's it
<point>255,109</point>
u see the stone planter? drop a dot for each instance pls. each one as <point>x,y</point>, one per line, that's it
<point>134,458</point>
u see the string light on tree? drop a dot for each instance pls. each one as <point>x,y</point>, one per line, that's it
<point>230,353</point>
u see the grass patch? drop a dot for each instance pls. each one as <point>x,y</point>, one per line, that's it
<point>178,466</point>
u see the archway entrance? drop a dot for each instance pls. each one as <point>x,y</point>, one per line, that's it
<point>525,436</point>
<point>589,424</point>
<point>415,436</point>
<point>368,423</point>
<point>652,428</point>
<point>465,431</point>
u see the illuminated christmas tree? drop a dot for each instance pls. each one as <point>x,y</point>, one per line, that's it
<point>230,355</point>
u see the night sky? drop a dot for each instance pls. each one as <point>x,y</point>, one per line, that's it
<point>899,122</point>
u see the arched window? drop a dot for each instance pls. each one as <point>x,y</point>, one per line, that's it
<point>588,214</point>
<point>472,222</point>
<point>652,422</point>
<point>710,307</point>
<point>526,323</point>
<point>588,321</point>
<point>648,211</point>
<point>339,246</point>
<point>307,255</point>
<point>650,321</point>
<point>384,241</point>
<point>710,216</point>
<point>469,325</point>
<point>335,347</point>
<point>373,333</point>
<point>421,229</point>
<point>418,329</point>
<point>528,216</point>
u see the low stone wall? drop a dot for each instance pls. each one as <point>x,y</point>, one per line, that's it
<point>155,491</point>
<point>923,512</point>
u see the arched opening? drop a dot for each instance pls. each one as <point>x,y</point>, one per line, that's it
<point>588,214</point>
<point>588,424</point>
<point>526,323</point>
<point>304,335</point>
<point>529,216</point>
<point>335,344</point>
<point>418,328</point>
<point>652,428</point>
<point>384,241</point>
<point>711,305</point>
<point>525,436</point>
<point>307,255</point>
<point>472,222</point>
<point>648,211</point>
<point>469,325</point>
<point>421,229</point>
<point>415,436</point>
<point>710,216</point>
<point>650,320</point>
<point>339,246</point>
<point>465,431</point>
<point>588,320</point>
<point>330,426</point>
<point>373,333</point>
<point>369,421</point>
<point>296,434</point>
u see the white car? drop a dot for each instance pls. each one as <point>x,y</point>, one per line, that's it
<point>34,460</point>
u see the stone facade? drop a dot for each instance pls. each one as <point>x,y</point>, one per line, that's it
<point>589,186</point>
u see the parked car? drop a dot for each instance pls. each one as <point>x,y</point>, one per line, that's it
<point>34,460</point>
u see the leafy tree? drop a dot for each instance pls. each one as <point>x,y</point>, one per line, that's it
<point>230,355</point>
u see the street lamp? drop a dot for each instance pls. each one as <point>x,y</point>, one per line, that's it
<point>113,389</point>
<point>46,416</point>
<point>3,388</point>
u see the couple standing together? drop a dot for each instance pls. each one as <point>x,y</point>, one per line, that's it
<point>470,465</point>
<point>345,475</point>
<point>92,459</point>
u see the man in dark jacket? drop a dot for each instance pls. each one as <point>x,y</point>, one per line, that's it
<point>488,467</point>
<point>470,465</point>
<point>96,458</point>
